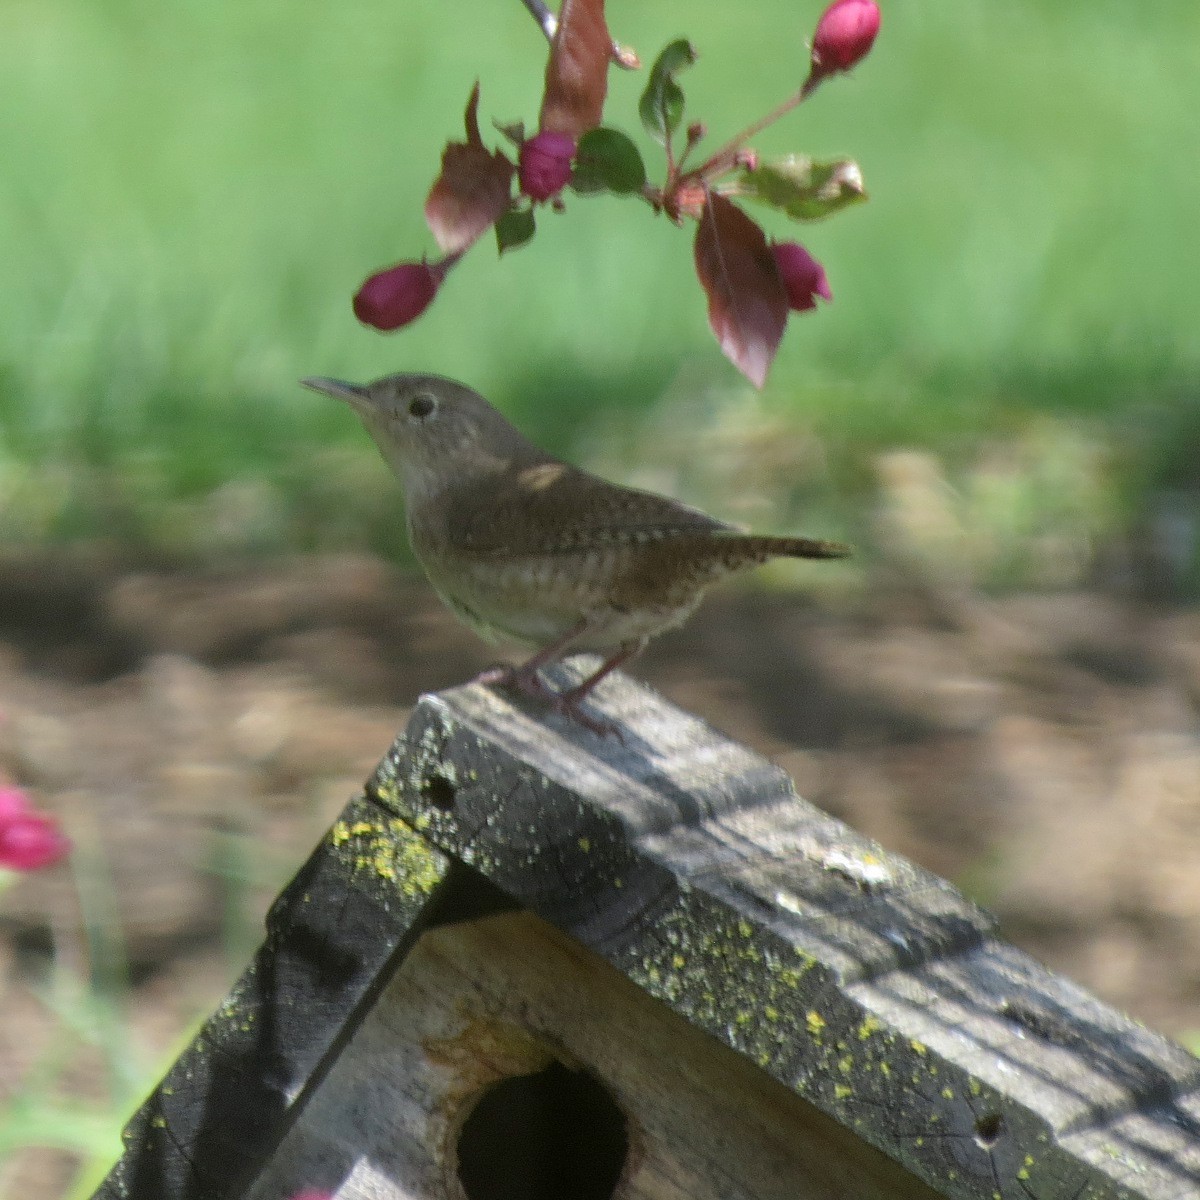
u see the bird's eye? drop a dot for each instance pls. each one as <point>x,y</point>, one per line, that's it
<point>421,405</point>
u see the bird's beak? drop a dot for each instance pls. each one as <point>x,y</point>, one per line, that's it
<point>350,392</point>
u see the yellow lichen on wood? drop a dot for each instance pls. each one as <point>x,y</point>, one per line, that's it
<point>391,850</point>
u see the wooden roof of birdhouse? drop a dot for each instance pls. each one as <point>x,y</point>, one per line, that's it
<point>894,1044</point>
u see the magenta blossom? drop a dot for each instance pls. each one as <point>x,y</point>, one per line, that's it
<point>12,802</point>
<point>313,1194</point>
<point>845,34</point>
<point>396,297</point>
<point>544,165</point>
<point>29,840</point>
<point>803,277</point>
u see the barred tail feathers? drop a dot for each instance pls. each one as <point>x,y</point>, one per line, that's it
<point>673,572</point>
<point>793,547</point>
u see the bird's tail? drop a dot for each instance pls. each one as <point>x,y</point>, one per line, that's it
<point>793,547</point>
<point>696,561</point>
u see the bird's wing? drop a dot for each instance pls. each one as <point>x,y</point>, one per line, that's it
<point>553,508</point>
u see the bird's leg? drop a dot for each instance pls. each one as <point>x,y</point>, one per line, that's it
<point>622,656</point>
<point>569,703</point>
<point>525,677</point>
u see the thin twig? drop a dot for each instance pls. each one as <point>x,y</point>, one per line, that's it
<point>726,157</point>
<point>625,57</point>
<point>543,16</point>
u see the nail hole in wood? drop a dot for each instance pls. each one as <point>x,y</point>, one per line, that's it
<point>440,792</point>
<point>988,1130</point>
<point>553,1135</point>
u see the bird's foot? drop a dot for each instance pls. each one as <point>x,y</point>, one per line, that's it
<point>497,676</point>
<point>570,705</point>
<point>567,704</point>
<point>529,683</point>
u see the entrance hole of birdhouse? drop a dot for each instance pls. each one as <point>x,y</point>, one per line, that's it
<point>557,1134</point>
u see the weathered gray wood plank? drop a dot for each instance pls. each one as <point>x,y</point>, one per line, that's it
<point>869,987</point>
<point>785,1008</point>
<point>479,1002</point>
<point>359,902</point>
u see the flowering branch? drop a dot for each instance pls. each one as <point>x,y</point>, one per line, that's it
<point>750,284</point>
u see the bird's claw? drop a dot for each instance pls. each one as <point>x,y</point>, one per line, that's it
<point>567,704</point>
<point>527,682</point>
<point>500,676</point>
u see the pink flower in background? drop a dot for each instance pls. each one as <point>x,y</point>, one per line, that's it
<point>545,164</point>
<point>29,840</point>
<point>313,1194</point>
<point>803,277</point>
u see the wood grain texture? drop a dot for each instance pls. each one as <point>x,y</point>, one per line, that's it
<point>479,1002</point>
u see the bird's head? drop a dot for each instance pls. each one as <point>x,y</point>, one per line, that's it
<point>430,429</point>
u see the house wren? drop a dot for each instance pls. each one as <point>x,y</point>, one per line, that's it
<point>525,547</point>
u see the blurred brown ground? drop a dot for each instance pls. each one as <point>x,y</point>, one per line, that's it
<point>197,730</point>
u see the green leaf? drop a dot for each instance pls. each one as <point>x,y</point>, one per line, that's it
<point>515,228</point>
<point>807,189</point>
<point>607,160</point>
<point>661,105</point>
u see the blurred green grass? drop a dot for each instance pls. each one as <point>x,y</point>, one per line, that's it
<point>194,190</point>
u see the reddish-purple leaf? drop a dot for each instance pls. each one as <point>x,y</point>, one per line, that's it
<point>471,118</point>
<point>577,73</point>
<point>747,302</point>
<point>473,190</point>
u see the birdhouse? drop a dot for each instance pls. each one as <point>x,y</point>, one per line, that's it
<point>533,962</point>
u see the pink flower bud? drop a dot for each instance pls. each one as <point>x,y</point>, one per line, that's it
<point>396,297</point>
<point>803,277</point>
<point>544,164</point>
<point>845,33</point>
<point>29,840</point>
